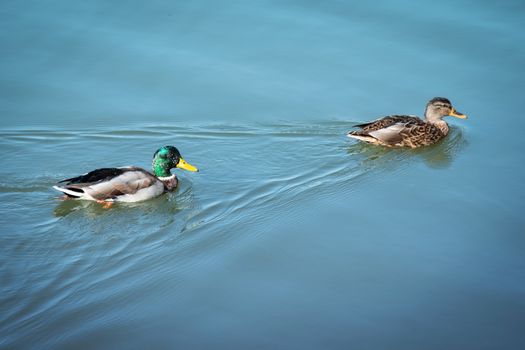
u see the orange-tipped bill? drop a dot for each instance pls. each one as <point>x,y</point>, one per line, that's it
<point>454,113</point>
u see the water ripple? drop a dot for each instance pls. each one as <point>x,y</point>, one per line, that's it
<point>76,256</point>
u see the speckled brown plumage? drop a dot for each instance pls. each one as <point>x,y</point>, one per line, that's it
<point>415,132</point>
<point>409,131</point>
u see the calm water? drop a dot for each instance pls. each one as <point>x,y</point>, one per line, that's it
<point>292,235</point>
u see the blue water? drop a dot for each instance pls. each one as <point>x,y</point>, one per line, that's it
<point>291,235</point>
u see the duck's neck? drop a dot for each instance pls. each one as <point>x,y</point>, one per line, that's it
<point>170,183</point>
<point>436,119</point>
<point>163,174</point>
<point>161,167</point>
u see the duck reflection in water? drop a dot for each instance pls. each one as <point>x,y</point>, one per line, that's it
<point>167,204</point>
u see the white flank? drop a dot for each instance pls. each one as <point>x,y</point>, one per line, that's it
<point>361,138</point>
<point>143,194</point>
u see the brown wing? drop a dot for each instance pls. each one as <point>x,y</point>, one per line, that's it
<point>398,130</point>
<point>408,135</point>
<point>390,120</point>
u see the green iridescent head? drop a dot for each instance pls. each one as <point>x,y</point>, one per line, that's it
<point>166,158</point>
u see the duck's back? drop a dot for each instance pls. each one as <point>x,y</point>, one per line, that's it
<point>388,121</point>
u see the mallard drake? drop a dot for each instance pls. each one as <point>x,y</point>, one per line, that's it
<point>408,130</point>
<point>127,184</point>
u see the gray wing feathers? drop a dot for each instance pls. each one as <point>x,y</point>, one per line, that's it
<point>390,134</point>
<point>128,183</point>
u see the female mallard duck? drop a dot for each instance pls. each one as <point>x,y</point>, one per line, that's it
<point>409,131</point>
<point>127,184</point>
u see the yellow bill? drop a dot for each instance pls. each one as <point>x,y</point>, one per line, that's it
<point>182,164</point>
<point>454,113</point>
